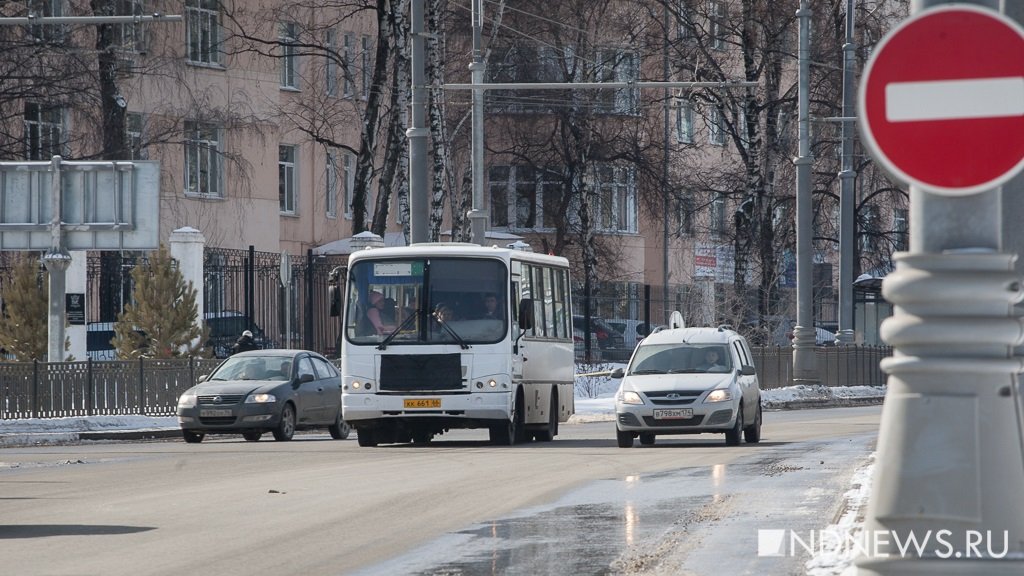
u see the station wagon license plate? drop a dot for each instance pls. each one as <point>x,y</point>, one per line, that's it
<point>422,402</point>
<point>215,413</point>
<point>673,414</point>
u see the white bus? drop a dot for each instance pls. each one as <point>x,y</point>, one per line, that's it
<point>445,336</point>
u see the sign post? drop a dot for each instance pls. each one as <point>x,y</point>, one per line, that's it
<point>942,109</point>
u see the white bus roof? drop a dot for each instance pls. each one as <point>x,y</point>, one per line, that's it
<point>455,249</point>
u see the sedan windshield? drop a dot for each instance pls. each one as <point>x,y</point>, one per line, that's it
<point>254,368</point>
<point>680,358</point>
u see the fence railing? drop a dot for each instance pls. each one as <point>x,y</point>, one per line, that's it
<point>151,387</point>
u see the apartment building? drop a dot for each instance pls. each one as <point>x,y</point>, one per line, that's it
<point>258,113</point>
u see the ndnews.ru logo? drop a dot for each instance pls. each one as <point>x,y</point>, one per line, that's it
<point>942,544</point>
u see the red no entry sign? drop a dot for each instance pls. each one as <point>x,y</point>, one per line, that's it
<point>942,100</point>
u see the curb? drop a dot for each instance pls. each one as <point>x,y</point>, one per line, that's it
<point>143,434</point>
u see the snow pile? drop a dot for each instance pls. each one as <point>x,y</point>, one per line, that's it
<point>835,554</point>
<point>808,394</point>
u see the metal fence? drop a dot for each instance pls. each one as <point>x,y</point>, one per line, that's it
<point>151,387</point>
<point>242,283</point>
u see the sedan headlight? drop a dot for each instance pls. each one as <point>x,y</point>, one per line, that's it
<point>260,399</point>
<point>720,395</point>
<point>630,397</point>
<point>187,401</point>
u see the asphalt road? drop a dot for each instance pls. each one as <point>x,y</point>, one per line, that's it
<point>318,506</point>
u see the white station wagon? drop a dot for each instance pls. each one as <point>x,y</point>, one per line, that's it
<point>689,381</point>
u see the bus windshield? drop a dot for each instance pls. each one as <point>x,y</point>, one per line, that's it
<point>427,301</point>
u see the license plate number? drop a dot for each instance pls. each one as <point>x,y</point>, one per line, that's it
<point>422,402</point>
<point>215,413</point>
<point>673,414</point>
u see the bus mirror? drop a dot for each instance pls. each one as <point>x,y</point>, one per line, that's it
<point>334,297</point>
<point>526,313</point>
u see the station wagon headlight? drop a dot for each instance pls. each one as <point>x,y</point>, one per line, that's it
<point>630,397</point>
<point>260,399</point>
<point>187,401</point>
<point>720,395</point>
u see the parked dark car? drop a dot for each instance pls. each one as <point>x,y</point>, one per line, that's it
<point>277,391</point>
<point>609,340</point>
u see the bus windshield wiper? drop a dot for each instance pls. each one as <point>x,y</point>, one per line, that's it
<point>405,324</point>
<point>462,343</point>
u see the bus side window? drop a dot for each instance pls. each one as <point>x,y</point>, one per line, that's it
<point>526,314</point>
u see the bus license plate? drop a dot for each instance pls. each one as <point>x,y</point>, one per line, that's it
<point>422,402</point>
<point>215,413</point>
<point>673,414</point>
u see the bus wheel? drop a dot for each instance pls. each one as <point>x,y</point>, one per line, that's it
<point>512,431</point>
<point>366,437</point>
<point>421,436</point>
<point>548,434</point>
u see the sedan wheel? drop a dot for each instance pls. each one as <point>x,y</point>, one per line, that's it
<point>286,428</point>
<point>340,429</point>
<point>646,439</point>
<point>252,436</point>
<point>192,437</point>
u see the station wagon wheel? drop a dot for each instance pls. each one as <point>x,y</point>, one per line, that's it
<point>752,433</point>
<point>646,439</point>
<point>734,434</point>
<point>286,428</point>
<point>339,429</point>
<point>625,439</point>
<point>252,436</point>
<point>192,437</point>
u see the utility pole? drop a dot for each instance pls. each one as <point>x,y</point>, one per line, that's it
<point>847,190</point>
<point>805,368</point>
<point>477,216</point>
<point>417,132</point>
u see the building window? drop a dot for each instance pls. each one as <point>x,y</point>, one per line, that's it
<point>331,186</point>
<point>617,66</point>
<point>350,63</point>
<point>366,65</point>
<point>44,131</point>
<point>684,25</point>
<point>902,229</point>
<point>616,199</point>
<point>349,183</point>
<point>717,28</point>
<point>716,127</point>
<point>331,65</point>
<point>289,59</point>
<point>48,33</point>
<point>869,229</point>
<point>525,198</point>
<point>133,136</point>
<point>131,37</point>
<point>202,159</point>
<point>684,216</point>
<point>286,176</point>
<point>203,30</point>
<point>684,121</point>
<point>718,216</point>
